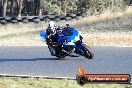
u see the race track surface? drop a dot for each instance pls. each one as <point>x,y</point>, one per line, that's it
<point>37,61</point>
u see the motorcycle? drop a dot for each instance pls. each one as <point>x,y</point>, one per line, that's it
<point>67,42</point>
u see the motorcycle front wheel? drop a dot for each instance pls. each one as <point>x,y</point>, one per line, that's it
<point>87,53</point>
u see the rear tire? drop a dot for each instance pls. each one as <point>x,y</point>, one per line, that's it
<point>61,56</point>
<point>59,53</point>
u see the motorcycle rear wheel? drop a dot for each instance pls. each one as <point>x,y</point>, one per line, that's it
<point>61,55</point>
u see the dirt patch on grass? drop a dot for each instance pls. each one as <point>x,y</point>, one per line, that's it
<point>109,39</point>
<point>2,85</point>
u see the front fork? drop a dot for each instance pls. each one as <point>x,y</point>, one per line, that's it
<point>78,49</point>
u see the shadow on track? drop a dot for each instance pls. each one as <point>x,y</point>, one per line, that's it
<point>26,53</point>
<point>34,59</point>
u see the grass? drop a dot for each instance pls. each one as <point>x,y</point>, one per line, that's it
<point>128,14</point>
<point>110,29</point>
<point>109,39</point>
<point>9,36</point>
<point>16,82</point>
<point>19,34</point>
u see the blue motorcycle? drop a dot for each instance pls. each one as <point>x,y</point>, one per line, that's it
<point>67,42</point>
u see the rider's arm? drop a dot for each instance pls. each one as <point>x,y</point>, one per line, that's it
<point>81,37</point>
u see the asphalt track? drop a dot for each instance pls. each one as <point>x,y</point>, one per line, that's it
<point>37,61</point>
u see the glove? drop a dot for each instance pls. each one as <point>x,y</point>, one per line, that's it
<point>81,37</point>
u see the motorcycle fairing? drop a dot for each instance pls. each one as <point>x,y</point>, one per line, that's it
<point>43,36</point>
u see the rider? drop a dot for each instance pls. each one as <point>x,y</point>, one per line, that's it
<point>51,28</point>
<point>51,31</point>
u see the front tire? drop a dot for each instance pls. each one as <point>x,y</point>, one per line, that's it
<point>87,53</point>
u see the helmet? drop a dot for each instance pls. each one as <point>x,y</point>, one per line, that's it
<point>51,24</point>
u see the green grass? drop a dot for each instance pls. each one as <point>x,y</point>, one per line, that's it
<point>12,35</point>
<point>9,36</point>
<point>16,82</point>
<point>128,14</point>
<point>122,24</point>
